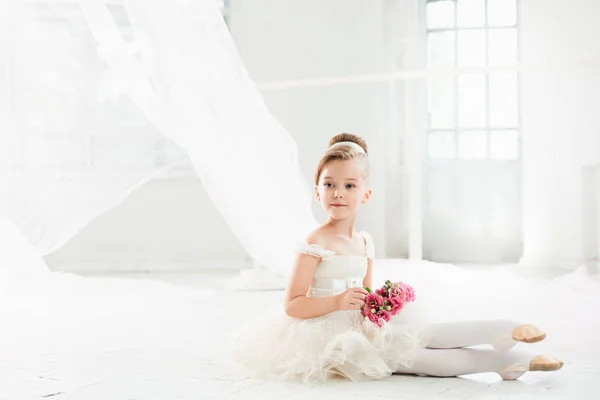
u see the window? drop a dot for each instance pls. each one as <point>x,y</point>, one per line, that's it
<point>473,114</point>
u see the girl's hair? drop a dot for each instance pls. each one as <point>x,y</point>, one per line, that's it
<point>343,153</point>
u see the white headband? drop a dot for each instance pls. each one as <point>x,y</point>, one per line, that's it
<point>355,146</point>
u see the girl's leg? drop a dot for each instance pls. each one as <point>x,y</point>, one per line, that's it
<point>499,333</point>
<point>454,362</point>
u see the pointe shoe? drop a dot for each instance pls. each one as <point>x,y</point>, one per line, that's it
<point>527,333</point>
<point>540,362</point>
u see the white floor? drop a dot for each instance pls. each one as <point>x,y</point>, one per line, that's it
<point>174,347</point>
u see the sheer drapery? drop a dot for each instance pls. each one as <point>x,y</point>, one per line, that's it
<point>104,96</point>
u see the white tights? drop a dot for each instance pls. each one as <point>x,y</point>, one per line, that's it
<point>445,355</point>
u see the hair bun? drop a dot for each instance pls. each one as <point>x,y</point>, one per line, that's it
<point>348,137</point>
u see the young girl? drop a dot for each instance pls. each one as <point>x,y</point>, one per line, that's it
<point>323,333</point>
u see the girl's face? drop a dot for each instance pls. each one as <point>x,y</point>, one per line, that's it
<point>342,188</point>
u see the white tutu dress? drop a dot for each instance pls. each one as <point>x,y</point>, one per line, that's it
<point>341,343</point>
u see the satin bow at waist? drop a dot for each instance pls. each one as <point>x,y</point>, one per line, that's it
<point>326,287</point>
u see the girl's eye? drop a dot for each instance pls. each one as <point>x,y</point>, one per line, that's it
<point>328,185</point>
<point>349,186</point>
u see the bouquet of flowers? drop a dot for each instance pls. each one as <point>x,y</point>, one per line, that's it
<point>387,301</point>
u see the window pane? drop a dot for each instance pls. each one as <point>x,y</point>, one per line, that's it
<point>503,46</point>
<point>470,13</point>
<point>502,12</point>
<point>442,144</point>
<point>440,49</point>
<point>471,47</point>
<point>504,145</point>
<point>504,100</point>
<point>471,101</point>
<point>440,186</point>
<point>440,14</point>
<point>442,103</point>
<point>472,145</point>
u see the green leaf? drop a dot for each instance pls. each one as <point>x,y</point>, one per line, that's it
<point>368,290</point>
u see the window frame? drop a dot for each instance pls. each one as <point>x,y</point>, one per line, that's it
<point>484,70</point>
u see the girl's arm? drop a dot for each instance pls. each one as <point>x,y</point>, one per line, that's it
<point>297,305</point>
<point>368,280</point>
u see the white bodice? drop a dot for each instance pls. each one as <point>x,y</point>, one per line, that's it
<point>337,272</point>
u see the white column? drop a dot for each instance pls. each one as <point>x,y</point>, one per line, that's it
<point>415,182</point>
<point>591,214</point>
<point>415,108</point>
<point>560,118</point>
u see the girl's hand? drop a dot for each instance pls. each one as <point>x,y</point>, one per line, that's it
<point>351,299</point>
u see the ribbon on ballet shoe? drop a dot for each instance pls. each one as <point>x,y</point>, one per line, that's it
<point>527,333</point>
<point>514,371</point>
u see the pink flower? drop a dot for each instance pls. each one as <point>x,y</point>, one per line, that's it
<point>385,315</point>
<point>410,292</point>
<point>397,291</point>
<point>380,316</point>
<point>387,301</point>
<point>396,305</point>
<point>373,300</point>
<point>373,303</point>
<point>402,290</point>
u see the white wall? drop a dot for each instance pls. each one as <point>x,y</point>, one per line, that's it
<point>561,127</point>
<point>288,40</point>
<point>170,223</point>
<point>167,220</point>
<point>166,224</point>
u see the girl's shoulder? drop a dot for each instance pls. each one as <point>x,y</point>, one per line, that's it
<point>369,244</point>
<point>315,245</point>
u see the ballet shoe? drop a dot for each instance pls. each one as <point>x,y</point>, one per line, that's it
<point>540,362</point>
<point>527,333</point>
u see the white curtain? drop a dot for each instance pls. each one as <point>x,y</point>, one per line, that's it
<point>104,95</point>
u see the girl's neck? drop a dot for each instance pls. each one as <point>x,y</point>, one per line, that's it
<point>341,226</point>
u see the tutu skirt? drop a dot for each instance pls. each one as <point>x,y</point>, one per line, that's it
<point>341,343</point>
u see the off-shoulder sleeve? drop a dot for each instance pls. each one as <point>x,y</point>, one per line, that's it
<point>370,251</point>
<point>314,250</point>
